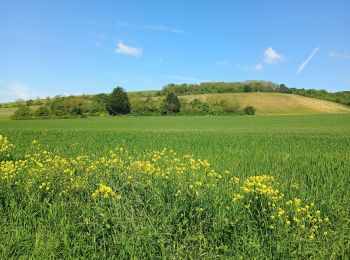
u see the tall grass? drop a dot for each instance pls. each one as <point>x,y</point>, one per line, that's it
<point>151,213</point>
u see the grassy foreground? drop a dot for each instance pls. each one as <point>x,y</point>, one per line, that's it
<point>265,186</point>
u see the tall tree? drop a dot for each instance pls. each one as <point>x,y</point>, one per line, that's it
<point>171,103</point>
<point>118,102</point>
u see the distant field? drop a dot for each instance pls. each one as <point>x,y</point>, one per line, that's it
<point>277,103</point>
<point>166,212</point>
<point>7,112</point>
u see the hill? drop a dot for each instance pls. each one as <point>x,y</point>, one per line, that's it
<point>266,103</point>
<point>276,103</point>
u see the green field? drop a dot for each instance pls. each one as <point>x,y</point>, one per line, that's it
<point>308,155</point>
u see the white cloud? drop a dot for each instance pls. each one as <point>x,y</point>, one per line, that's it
<point>155,27</point>
<point>122,48</point>
<point>339,55</point>
<point>309,58</point>
<point>272,57</point>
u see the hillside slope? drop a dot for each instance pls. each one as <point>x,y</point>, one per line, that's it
<point>265,103</point>
<point>276,103</point>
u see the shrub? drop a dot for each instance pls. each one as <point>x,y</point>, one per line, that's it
<point>23,112</point>
<point>43,111</point>
<point>249,110</point>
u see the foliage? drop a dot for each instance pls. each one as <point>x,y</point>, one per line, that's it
<point>220,87</point>
<point>23,112</point>
<point>151,102</point>
<point>171,104</point>
<point>145,105</point>
<point>29,102</point>
<point>342,97</point>
<point>43,111</point>
<point>118,102</point>
<point>249,110</point>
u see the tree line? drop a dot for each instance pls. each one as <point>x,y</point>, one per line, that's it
<point>120,103</point>
<point>169,100</point>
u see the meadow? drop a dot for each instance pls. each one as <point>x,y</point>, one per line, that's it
<point>176,187</point>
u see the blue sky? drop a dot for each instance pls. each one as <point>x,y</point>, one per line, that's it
<point>74,47</point>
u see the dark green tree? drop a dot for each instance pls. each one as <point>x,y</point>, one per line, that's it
<point>118,102</point>
<point>247,88</point>
<point>284,89</point>
<point>171,104</point>
<point>249,110</point>
<point>29,102</point>
<point>43,111</point>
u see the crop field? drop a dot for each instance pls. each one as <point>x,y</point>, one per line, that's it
<point>198,187</point>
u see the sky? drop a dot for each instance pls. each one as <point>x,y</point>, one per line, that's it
<point>50,48</point>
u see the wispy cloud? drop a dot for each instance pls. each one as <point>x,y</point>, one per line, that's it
<point>100,36</point>
<point>272,57</point>
<point>10,91</point>
<point>122,48</point>
<point>222,62</point>
<point>256,67</point>
<point>184,79</point>
<point>21,90</point>
<point>309,58</point>
<point>339,55</point>
<point>154,27</point>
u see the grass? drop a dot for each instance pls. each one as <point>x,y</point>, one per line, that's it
<point>6,112</point>
<point>276,103</point>
<point>307,155</point>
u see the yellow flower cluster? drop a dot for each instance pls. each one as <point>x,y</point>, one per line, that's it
<point>40,168</point>
<point>106,192</point>
<point>306,217</point>
<point>278,211</point>
<point>5,145</point>
<point>261,186</point>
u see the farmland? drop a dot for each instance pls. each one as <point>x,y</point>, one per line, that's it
<point>177,187</point>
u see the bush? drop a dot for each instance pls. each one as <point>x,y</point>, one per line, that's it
<point>23,112</point>
<point>118,102</point>
<point>43,111</point>
<point>145,105</point>
<point>249,110</point>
